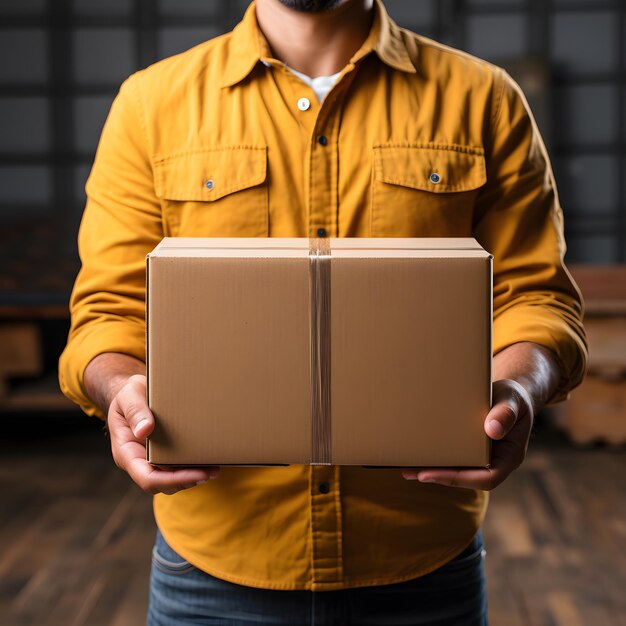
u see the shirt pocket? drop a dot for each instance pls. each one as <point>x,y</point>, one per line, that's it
<point>214,192</point>
<point>425,190</point>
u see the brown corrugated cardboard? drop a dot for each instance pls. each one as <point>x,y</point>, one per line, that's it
<point>350,351</point>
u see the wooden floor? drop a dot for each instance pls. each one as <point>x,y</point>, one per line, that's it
<point>75,535</point>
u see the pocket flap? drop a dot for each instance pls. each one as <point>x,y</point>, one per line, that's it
<point>210,174</point>
<point>437,168</point>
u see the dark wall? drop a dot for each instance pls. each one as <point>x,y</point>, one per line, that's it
<point>61,63</point>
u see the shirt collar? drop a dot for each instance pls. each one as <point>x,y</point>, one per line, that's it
<point>385,38</point>
<point>249,46</point>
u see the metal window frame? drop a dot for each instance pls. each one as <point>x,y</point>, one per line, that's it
<point>60,21</point>
<point>452,18</point>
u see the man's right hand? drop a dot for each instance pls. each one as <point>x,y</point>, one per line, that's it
<point>122,395</point>
<point>130,422</point>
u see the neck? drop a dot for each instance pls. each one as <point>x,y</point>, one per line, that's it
<point>316,44</point>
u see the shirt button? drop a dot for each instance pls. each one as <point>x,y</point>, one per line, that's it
<point>322,140</point>
<point>321,232</point>
<point>209,184</point>
<point>304,104</point>
<point>323,487</point>
<point>435,179</point>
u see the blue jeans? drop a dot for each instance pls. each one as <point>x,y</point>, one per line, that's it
<point>453,595</point>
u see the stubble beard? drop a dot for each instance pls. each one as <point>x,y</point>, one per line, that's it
<point>311,6</point>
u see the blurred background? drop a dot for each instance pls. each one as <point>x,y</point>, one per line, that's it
<point>75,536</point>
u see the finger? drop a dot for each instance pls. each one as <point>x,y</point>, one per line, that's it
<point>155,480</point>
<point>129,451</point>
<point>130,455</point>
<point>132,404</point>
<point>480,478</point>
<point>506,456</point>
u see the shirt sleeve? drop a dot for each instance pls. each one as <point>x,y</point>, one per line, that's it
<point>120,225</point>
<point>519,220</point>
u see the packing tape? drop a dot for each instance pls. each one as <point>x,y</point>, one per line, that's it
<point>319,286</point>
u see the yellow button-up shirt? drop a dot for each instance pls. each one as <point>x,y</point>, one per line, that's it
<point>415,139</point>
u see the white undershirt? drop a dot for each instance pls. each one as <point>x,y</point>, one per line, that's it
<point>321,85</point>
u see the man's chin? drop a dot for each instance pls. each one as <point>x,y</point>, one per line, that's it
<point>312,6</point>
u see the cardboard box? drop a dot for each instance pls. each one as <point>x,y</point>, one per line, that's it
<point>357,351</point>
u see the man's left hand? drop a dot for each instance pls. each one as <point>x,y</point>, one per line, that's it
<point>509,423</point>
<point>526,376</point>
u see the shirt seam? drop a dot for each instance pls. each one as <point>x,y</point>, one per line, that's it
<point>164,158</point>
<point>496,112</point>
<point>424,41</point>
<point>141,115</point>
<point>415,184</point>
<point>495,118</point>
<point>247,183</point>
<point>345,583</point>
<point>339,518</point>
<point>451,147</point>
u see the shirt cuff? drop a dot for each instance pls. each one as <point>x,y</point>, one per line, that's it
<point>88,343</point>
<point>559,331</point>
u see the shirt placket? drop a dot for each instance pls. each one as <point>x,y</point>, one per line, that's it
<point>326,537</point>
<point>323,214</point>
<point>326,540</point>
<point>320,124</point>
<point>323,170</point>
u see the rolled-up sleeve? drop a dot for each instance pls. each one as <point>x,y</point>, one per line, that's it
<point>519,220</point>
<point>120,225</point>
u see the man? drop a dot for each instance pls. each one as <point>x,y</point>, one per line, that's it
<point>397,136</point>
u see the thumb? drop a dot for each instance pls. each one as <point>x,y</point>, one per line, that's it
<point>500,419</point>
<point>133,406</point>
<point>510,402</point>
